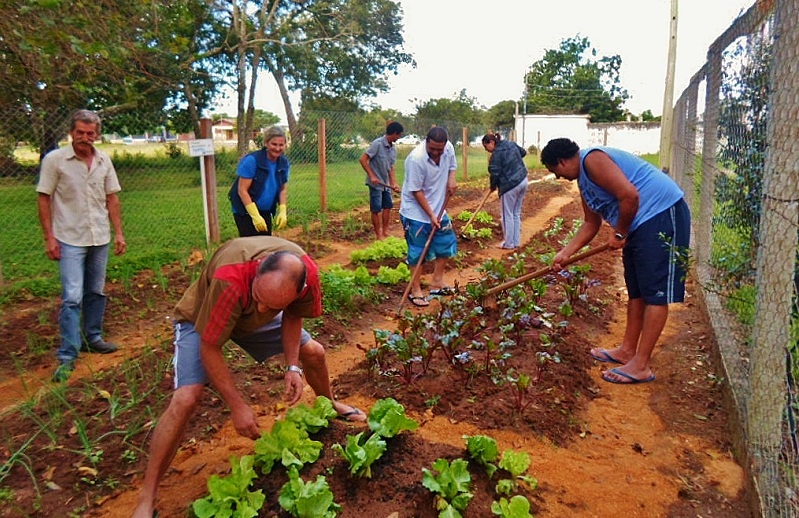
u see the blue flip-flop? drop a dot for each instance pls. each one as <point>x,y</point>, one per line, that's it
<point>631,379</point>
<point>604,357</point>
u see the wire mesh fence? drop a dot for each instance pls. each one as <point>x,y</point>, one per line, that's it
<point>162,199</point>
<point>735,149</point>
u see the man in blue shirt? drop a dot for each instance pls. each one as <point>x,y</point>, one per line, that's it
<point>378,162</point>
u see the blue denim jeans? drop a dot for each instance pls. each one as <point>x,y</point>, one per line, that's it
<point>511,203</point>
<point>82,282</point>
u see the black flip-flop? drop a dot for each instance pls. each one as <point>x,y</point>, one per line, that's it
<point>443,291</point>
<point>419,301</point>
<point>346,415</point>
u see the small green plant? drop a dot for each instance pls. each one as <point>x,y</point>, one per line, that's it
<point>312,419</point>
<point>286,443</point>
<point>230,496</point>
<point>515,463</point>
<point>389,248</point>
<point>361,454</point>
<point>484,451</point>
<point>451,485</point>
<point>307,500</point>
<point>555,228</point>
<point>346,290</point>
<point>517,507</point>
<point>387,418</point>
<point>392,276</point>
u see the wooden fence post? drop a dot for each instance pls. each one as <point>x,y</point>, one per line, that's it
<point>322,165</point>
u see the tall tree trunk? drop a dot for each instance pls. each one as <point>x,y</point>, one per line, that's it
<point>295,131</point>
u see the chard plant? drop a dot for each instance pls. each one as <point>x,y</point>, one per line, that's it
<point>451,484</point>
<point>517,507</point>
<point>230,496</point>
<point>307,500</point>
<point>285,443</point>
<point>361,453</point>
<point>519,384</point>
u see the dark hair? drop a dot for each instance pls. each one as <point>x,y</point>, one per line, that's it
<point>393,128</point>
<point>276,261</point>
<point>491,137</point>
<point>558,148</point>
<point>437,134</point>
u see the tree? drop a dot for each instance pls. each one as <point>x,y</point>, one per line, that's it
<point>325,48</point>
<point>113,57</point>
<point>501,115</point>
<point>449,113</point>
<point>571,80</point>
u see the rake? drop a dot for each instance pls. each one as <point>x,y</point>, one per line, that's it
<point>543,271</point>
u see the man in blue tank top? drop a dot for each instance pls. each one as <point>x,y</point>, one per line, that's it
<point>652,225</point>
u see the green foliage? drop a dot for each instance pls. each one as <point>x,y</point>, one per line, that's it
<point>483,450</point>
<point>346,290</point>
<point>230,496</point>
<point>313,418</point>
<point>387,418</point>
<point>392,276</point>
<point>389,248</point>
<point>285,443</point>
<point>517,507</point>
<point>515,463</point>
<point>568,80</point>
<point>307,500</point>
<point>361,454</point>
<point>451,485</point>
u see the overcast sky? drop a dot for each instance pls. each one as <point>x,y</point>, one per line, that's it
<point>485,47</point>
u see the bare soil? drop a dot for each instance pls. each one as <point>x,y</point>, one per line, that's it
<point>659,449</point>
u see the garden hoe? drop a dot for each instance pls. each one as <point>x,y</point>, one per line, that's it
<point>468,223</point>
<point>418,270</point>
<point>490,294</point>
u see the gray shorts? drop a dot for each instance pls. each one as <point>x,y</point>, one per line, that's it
<point>263,344</point>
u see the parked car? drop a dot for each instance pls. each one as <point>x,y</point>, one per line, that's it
<point>409,140</point>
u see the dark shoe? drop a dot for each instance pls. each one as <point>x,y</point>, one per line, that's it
<point>63,372</point>
<point>99,346</point>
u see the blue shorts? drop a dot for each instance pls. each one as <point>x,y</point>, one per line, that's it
<point>655,257</point>
<point>444,244</point>
<point>380,199</point>
<point>189,368</point>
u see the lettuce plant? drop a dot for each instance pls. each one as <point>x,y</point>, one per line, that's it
<point>517,507</point>
<point>484,451</point>
<point>230,497</point>
<point>286,443</point>
<point>515,463</point>
<point>451,486</point>
<point>361,454</point>
<point>387,418</point>
<point>312,419</point>
<point>307,500</point>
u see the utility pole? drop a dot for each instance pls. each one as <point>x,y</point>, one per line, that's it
<point>668,94</point>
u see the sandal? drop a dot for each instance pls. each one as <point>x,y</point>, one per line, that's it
<point>420,301</point>
<point>443,291</point>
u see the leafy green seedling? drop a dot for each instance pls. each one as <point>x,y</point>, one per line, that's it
<point>285,443</point>
<point>517,507</point>
<point>392,276</point>
<point>484,451</point>
<point>387,418</point>
<point>451,486</point>
<point>313,418</point>
<point>230,496</point>
<point>515,463</point>
<point>361,454</point>
<point>307,500</point>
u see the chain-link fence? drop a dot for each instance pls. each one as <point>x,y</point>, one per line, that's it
<point>162,199</point>
<point>735,149</point>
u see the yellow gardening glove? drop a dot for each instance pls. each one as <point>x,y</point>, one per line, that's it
<point>281,219</point>
<point>257,220</point>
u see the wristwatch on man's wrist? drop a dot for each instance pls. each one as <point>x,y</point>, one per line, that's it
<point>620,236</point>
<point>294,368</point>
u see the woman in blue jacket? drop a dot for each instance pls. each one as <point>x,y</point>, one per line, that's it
<point>509,175</point>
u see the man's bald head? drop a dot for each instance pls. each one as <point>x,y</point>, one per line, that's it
<point>279,280</point>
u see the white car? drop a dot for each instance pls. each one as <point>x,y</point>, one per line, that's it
<point>409,140</point>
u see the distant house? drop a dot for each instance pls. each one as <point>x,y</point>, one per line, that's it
<point>223,130</point>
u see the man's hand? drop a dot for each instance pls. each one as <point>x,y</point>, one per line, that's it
<point>119,244</point>
<point>294,386</point>
<point>245,423</point>
<point>52,248</point>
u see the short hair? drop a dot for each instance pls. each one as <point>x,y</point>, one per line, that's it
<point>276,261</point>
<point>558,148</point>
<point>394,128</point>
<point>273,132</point>
<point>491,137</point>
<point>87,116</point>
<point>437,134</point>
